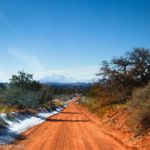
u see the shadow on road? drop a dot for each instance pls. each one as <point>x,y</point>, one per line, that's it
<point>71,112</point>
<point>65,120</point>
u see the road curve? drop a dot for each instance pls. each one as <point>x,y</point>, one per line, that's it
<point>68,130</point>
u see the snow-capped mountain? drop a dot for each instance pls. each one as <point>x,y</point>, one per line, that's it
<point>57,79</point>
<point>60,79</point>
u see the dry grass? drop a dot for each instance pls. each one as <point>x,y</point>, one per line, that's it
<point>139,106</point>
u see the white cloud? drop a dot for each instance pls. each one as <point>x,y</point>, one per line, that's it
<point>74,74</point>
<point>30,60</point>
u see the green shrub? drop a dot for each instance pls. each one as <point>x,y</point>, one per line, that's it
<point>21,98</point>
<point>23,92</point>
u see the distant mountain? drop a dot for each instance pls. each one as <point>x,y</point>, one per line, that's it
<point>59,79</point>
<point>69,85</point>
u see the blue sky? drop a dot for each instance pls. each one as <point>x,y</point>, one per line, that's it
<point>69,37</point>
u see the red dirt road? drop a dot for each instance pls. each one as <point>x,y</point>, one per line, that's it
<point>68,130</point>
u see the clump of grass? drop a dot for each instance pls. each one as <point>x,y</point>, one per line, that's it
<point>59,103</point>
<point>6,109</point>
<point>88,102</point>
<point>139,107</point>
<point>98,105</point>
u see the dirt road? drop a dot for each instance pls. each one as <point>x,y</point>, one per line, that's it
<point>68,130</point>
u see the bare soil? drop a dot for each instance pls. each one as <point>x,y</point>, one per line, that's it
<point>71,129</point>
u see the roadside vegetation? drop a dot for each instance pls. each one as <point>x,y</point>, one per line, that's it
<point>124,82</point>
<point>26,96</point>
<point>24,93</point>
